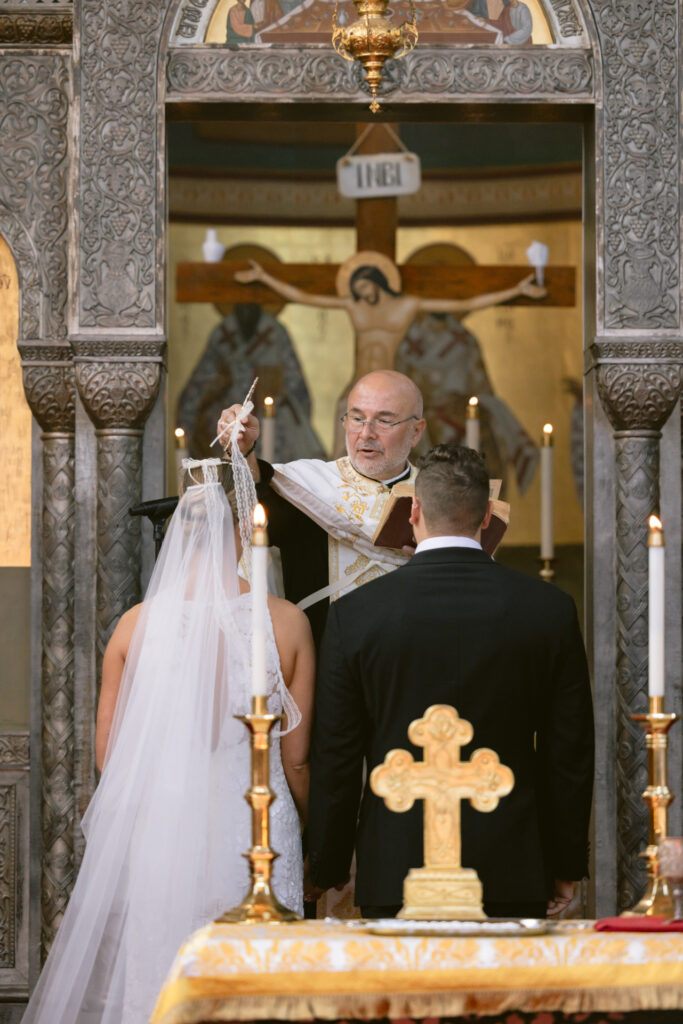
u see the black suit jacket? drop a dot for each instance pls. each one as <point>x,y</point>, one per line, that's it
<point>454,627</point>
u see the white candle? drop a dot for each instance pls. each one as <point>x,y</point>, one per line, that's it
<point>472,437</point>
<point>180,454</point>
<point>656,549</point>
<point>547,544</point>
<point>268,430</point>
<point>259,598</point>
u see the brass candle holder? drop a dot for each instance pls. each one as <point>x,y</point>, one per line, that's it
<point>260,906</point>
<point>657,900</point>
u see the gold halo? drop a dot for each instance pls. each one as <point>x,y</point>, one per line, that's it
<point>367,258</point>
<point>441,254</point>
<point>250,251</point>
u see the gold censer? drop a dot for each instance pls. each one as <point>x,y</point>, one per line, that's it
<point>372,40</point>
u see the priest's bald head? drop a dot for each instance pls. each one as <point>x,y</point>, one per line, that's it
<point>383,423</point>
<point>451,494</point>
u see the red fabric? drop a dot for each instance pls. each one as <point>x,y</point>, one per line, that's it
<point>639,924</point>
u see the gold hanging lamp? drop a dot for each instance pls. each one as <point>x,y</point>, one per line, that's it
<point>372,40</point>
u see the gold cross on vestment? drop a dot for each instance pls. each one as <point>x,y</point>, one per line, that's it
<point>442,888</point>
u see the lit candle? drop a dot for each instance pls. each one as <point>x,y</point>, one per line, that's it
<point>472,424</point>
<point>180,454</point>
<point>655,545</point>
<point>547,545</point>
<point>259,598</point>
<point>268,430</point>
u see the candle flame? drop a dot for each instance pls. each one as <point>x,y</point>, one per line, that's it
<point>547,428</point>
<point>179,432</point>
<point>473,400</point>
<point>655,523</point>
<point>259,518</point>
<point>268,400</point>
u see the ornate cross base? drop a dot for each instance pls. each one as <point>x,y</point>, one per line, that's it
<point>448,894</point>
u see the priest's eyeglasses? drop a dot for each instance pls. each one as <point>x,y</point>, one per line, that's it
<point>352,421</point>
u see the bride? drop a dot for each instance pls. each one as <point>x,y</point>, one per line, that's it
<point>168,824</point>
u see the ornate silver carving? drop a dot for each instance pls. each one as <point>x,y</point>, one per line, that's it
<point>119,212</point>
<point>638,398</point>
<point>14,750</point>
<point>118,382</point>
<point>8,872</point>
<point>441,74</point>
<point>50,389</point>
<point>567,18</point>
<point>640,147</point>
<point>34,98</point>
<point>36,29</point>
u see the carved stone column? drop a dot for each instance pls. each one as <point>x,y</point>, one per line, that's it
<point>118,383</point>
<point>638,395</point>
<point>50,391</point>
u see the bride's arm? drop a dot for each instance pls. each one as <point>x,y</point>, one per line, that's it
<point>297,657</point>
<point>112,671</point>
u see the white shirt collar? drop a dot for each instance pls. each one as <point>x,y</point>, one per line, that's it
<point>399,476</point>
<point>431,543</point>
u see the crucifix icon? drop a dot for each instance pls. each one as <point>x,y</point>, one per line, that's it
<point>442,889</point>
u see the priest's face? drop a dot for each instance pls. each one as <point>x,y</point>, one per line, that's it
<point>383,423</point>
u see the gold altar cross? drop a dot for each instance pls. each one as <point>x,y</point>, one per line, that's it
<point>442,888</point>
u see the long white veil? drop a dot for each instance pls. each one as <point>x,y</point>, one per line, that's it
<point>168,824</point>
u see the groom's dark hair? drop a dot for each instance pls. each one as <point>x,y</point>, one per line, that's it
<point>453,487</point>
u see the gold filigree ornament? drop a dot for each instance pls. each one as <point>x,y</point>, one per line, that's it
<point>443,889</point>
<point>372,40</point>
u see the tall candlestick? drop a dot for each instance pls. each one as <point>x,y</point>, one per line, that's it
<point>180,454</point>
<point>472,436</point>
<point>268,430</point>
<point>547,544</point>
<point>259,598</point>
<point>656,552</point>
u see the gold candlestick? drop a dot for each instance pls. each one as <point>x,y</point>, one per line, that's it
<point>657,900</point>
<point>260,905</point>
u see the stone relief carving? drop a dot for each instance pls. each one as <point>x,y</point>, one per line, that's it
<point>294,73</point>
<point>638,398</point>
<point>14,750</point>
<point>49,384</point>
<point>8,871</point>
<point>118,201</point>
<point>640,146</point>
<point>34,101</point>
<point>50,28</point>
<point>26,259</point>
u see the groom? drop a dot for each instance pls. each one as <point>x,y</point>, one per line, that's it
<point>453,627</point>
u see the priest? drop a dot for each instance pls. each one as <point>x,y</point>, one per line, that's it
<point>323,515</point>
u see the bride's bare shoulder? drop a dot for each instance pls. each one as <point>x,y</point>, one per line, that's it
<point>287,615</point>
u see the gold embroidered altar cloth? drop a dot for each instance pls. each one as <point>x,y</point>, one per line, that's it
<point>322,969</point>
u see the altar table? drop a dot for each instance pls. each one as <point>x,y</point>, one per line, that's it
<point>324,970</point>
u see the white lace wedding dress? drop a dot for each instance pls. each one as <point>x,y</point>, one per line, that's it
<point>168,825</point>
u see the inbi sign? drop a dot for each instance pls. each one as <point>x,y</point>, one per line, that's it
<point>381,174</point>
